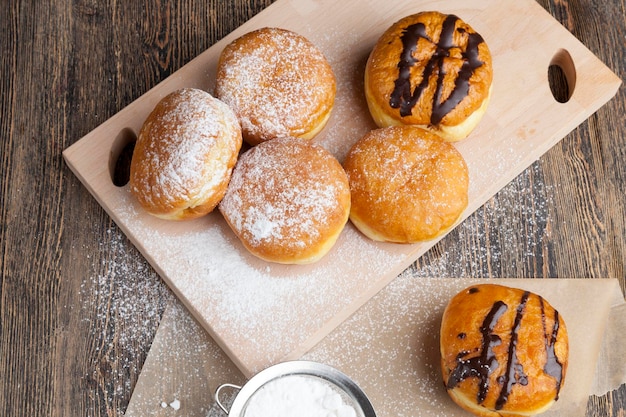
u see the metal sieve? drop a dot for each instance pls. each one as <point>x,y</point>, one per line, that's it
<point>335,378</point>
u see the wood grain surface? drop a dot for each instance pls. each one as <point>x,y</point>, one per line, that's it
<point>79,306</point>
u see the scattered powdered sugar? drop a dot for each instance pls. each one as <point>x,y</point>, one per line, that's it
<point>391,347</point>
<point>128,298</point>
<point>174,405</point>
<point>350,118</point>
<point>395,337</point>
<point>131,284</point>
<point>298,395</point>
<point>262,311</point>
<point>259,310</point>
<point>516,222</point>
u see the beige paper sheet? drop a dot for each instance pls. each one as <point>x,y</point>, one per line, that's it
<point>390,348</point>
<point>612,356</point>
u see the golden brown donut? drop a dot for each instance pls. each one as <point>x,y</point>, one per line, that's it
<point>432,70</point>
<point>288,201</point>
<point>504,351</point>
<point>278,83</point>
<point>406,183</point>
<point>184,155</point>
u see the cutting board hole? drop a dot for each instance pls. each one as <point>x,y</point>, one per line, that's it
<point>121,155</point>
<point>562,76</point>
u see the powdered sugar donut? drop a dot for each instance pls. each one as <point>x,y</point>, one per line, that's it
<point>288,201</point>
<point>184,155</point>
<point>278,83</point>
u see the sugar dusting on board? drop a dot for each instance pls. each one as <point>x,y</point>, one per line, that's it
<point>350,104</point>
<point>262,310</point>
<point>374,342</point>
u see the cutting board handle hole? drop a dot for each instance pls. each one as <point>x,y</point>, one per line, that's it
<point>562,76</point>
<point>121,155</point>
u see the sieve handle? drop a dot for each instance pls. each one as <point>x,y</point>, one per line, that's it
<point>217,395</point>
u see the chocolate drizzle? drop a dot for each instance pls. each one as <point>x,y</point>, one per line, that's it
<point>514,373</point>
<point>404,99</point>
<point>553,366</point>
<point>485,363</point>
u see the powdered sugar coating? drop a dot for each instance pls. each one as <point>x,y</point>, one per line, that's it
<point>286,199</point>
<point>277,82</point>
<point>298,395</point>
<point>185,153</point>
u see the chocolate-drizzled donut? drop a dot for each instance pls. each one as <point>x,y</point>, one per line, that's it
<point>504,351</point>
<point>430,69</point>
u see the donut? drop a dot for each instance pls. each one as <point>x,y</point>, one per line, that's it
<point>432,70</point>
<point>406,184</point>
<point>504,351</point>
<point>288,201</point>
<point>278,83</point>
<point>184,155</point>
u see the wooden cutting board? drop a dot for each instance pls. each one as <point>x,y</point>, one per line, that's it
<point>261,313</point>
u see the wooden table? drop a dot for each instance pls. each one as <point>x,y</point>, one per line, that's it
<point>79,305</point>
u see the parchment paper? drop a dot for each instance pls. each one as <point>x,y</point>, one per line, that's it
<point>390,348</point>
